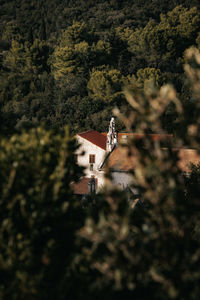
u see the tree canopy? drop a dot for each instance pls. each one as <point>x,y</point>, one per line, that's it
<point>53,53</point>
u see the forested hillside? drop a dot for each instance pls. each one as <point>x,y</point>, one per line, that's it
<point>66,62</point>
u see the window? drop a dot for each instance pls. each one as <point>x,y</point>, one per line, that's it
<point>92,158</point>
<point>91,167</point>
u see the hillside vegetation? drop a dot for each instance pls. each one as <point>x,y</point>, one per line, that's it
<point>70,63</point>
<point>66,62</point>
<point>54,246</point>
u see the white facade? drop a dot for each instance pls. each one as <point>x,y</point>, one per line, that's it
<point>95,150</point>
<point>91,169</point>
<point>119,178</point>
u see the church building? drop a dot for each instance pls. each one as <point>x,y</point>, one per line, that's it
<point>92,153</point>
<point>99,149</point>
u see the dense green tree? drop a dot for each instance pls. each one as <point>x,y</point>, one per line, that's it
<point>76,53</point>
<point>104,84</point>
<point>11,32</point>
<point>144,77</point>
<point>25,80</point>
<point>160,44</point>
<point>45,19</point>
<point>49,49</point>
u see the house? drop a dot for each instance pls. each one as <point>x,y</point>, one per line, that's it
<point>100,149</point>
<point>94,147</point>
<point>91,153</point>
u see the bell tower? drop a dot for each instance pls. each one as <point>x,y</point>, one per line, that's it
<point>111,136</point>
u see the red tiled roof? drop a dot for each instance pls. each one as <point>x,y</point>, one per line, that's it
<point>99,139</point>
<point>155,136</point>
<point>120,159</point>
<point>94,137</point>
<point>81,187</point>
<point>138,136</point>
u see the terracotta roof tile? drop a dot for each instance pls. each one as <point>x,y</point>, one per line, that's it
<point>121,161</point>
<point>81,187</point>
<point>94,137</point>
<point>138,136</point>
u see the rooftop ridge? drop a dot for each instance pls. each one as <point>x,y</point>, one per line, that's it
<point>94,137</point>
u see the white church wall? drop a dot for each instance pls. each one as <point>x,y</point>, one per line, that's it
<point>83,160</point>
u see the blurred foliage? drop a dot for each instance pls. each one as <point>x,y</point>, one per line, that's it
<point>66,62</point>
<point>149,249</point>
<point>38,213</point>
<point>144,247</point>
